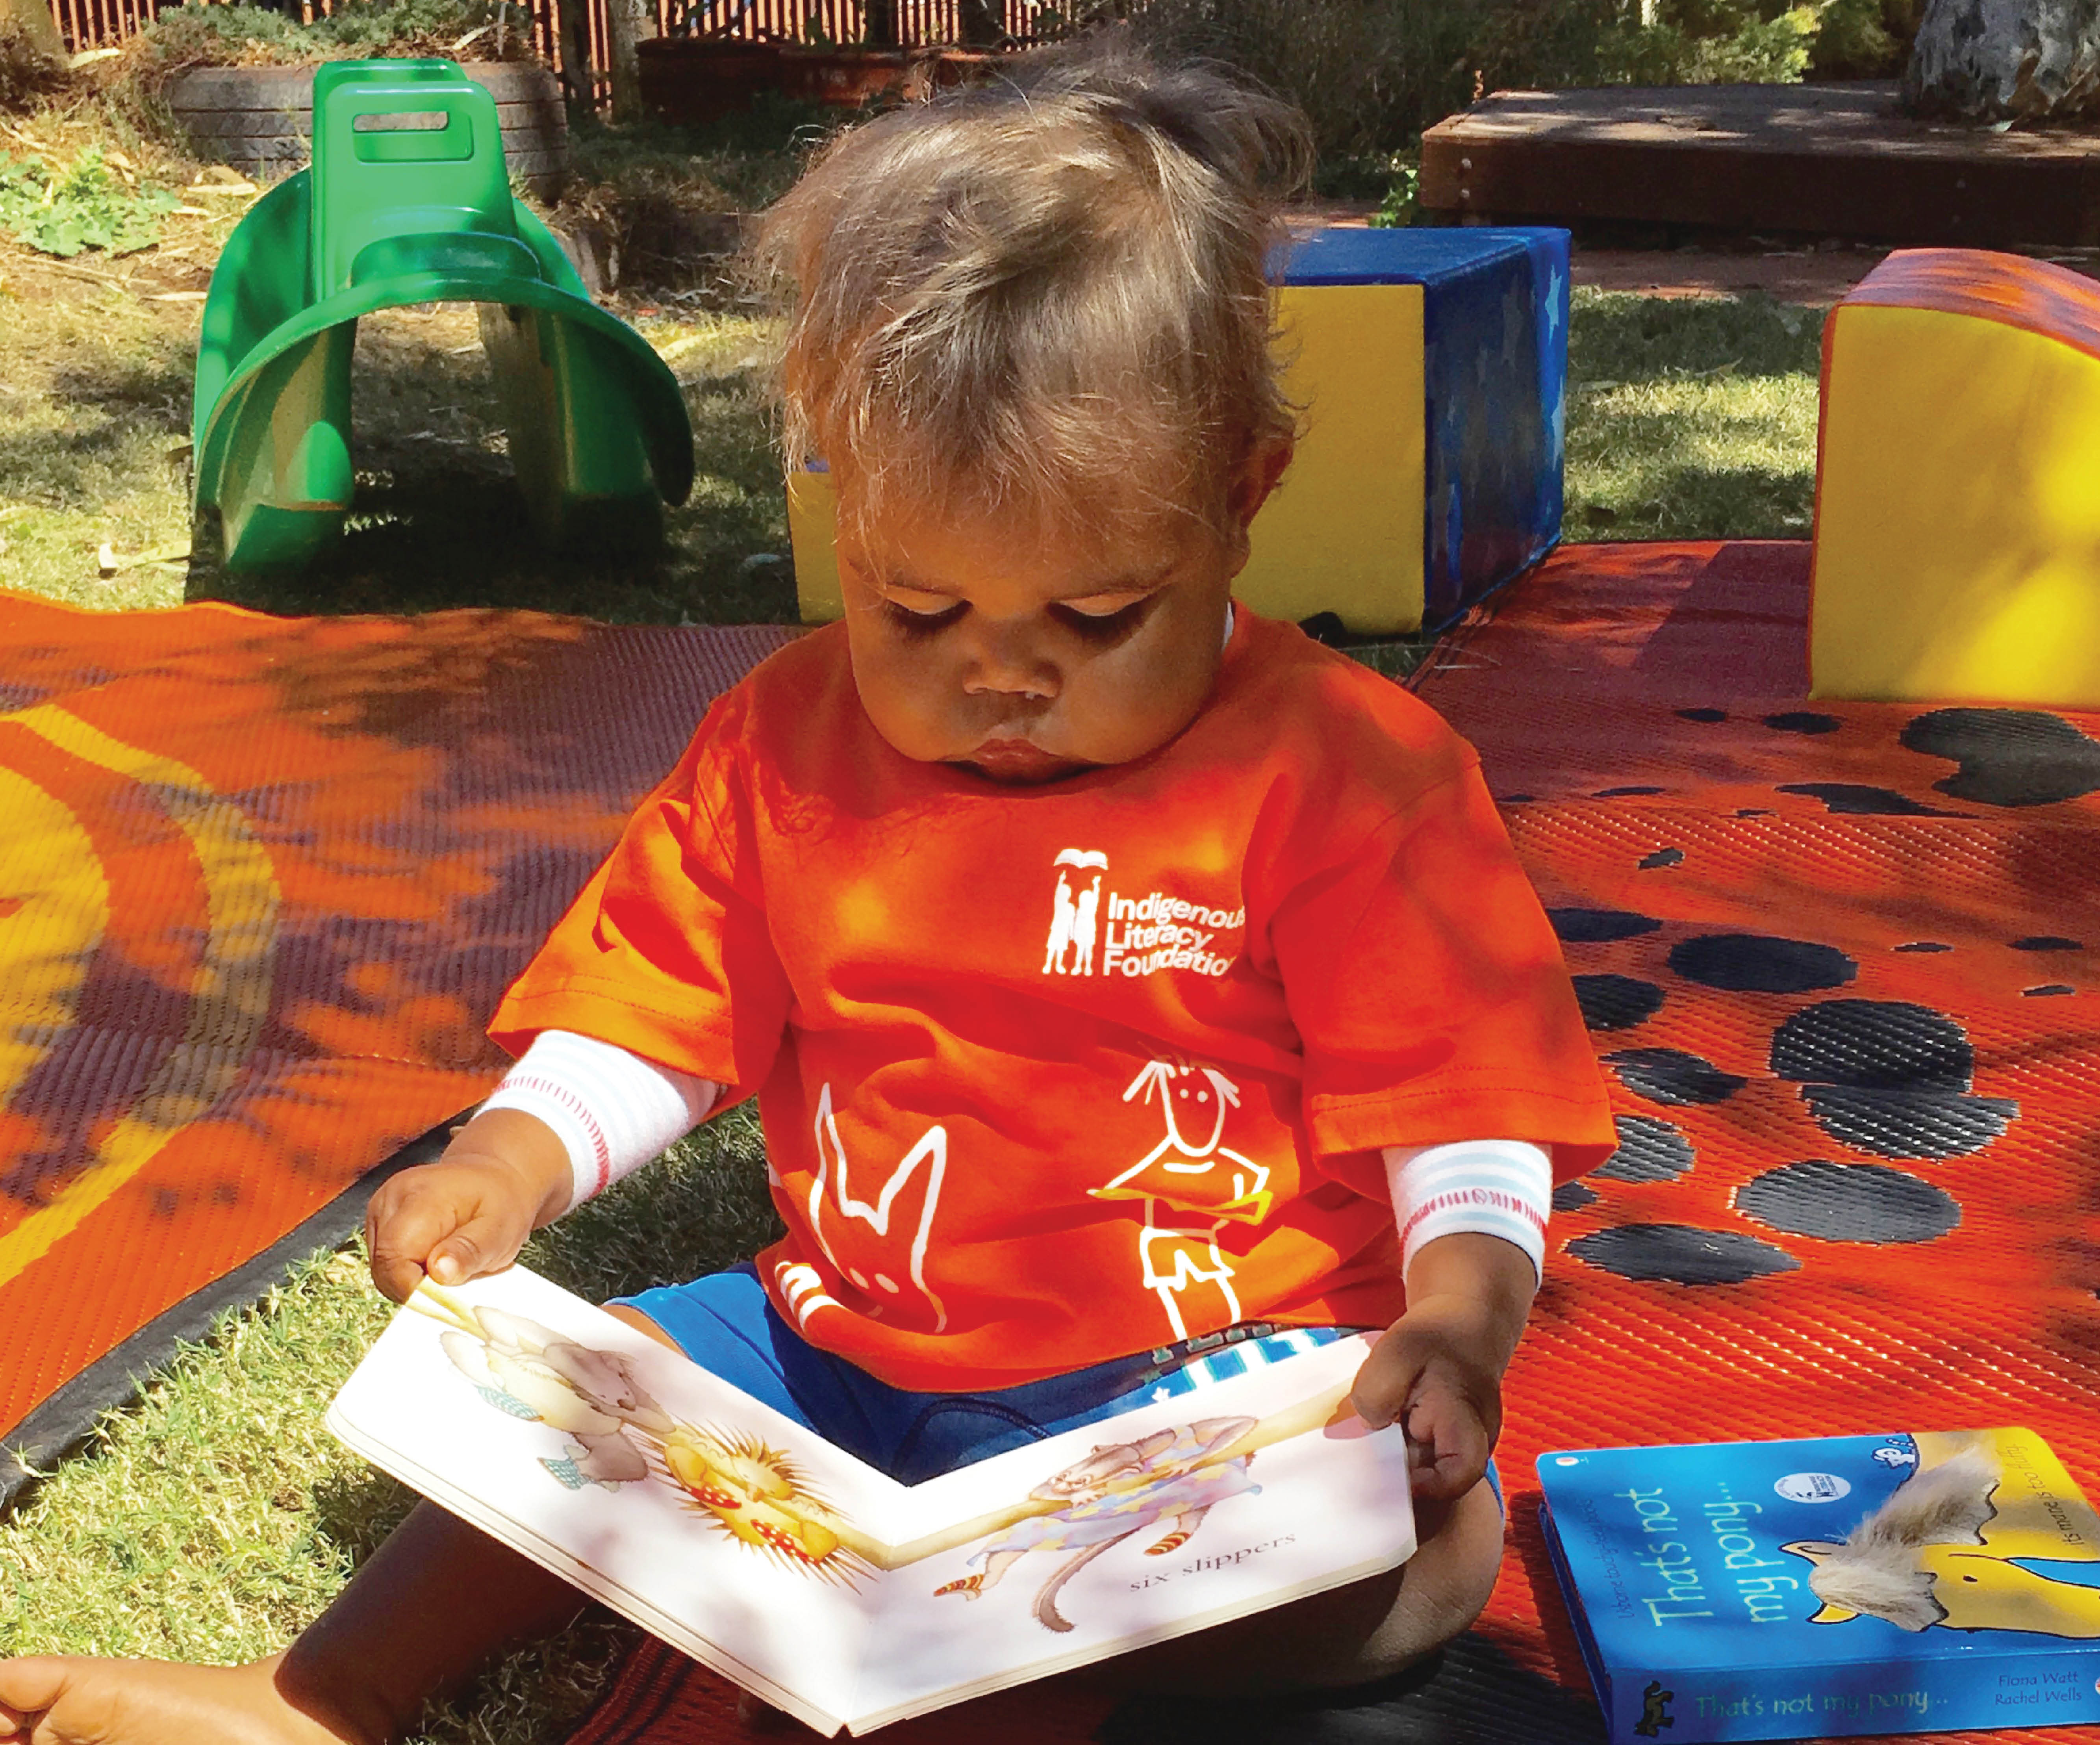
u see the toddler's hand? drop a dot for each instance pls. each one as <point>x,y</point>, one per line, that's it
<point>1437,1373</point>
<point>470,1212</point>
<point>1438,1370</point>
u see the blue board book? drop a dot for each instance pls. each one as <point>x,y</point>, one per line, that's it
<point>1909,1583</point>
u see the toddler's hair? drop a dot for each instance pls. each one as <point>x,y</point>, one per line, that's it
<point>1044,296</point>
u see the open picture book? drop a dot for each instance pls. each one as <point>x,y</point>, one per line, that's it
<point>822,1585</point>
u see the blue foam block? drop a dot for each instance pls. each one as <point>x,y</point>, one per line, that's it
<point>1495,377</point>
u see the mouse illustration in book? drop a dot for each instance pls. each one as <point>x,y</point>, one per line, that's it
<point>1170,1478</point>
<point>619,1436</point>
<point>1955,1548</point>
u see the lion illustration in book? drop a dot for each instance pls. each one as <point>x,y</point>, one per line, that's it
<point>615,1434</point>
<point>1964,1545</point>
<point>619,1435</point>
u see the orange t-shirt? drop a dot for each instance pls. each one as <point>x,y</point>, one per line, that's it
<point>1050,1075</point>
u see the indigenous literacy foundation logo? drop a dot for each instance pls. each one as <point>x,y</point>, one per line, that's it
<point>1140,935</point>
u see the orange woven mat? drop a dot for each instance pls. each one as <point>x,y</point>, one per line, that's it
<point>262,881</point>
<point>1841,962</point>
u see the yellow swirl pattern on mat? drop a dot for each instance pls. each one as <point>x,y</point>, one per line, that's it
<point>229,996</point>
<point>60,911</point>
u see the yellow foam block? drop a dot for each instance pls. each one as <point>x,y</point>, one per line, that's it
<point>1344,528</point>
<point>812,513</point>
<point>1958,532</point>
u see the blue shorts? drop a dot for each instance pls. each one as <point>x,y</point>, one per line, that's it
<point>725,1324</point>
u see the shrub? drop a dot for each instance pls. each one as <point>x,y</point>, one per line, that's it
<point>206,35</point>
<point>62,211</point>
<point>29,76</point>
<point>1371,74</point>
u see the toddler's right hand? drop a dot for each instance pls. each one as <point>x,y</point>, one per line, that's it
<point>468,1213</point>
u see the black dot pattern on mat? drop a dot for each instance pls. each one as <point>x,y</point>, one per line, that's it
<point>1925,945</point>
<point>1856,799</point>
<point>1680,1254</point>
<point>1880,1045</point>
<point>1757,963</point>
<point>1514,799</point>
<point>1572,1196</point>
<point>2049,988</point>
<point>1650,1149</point>
<point>1623,793</point>
<point>1704,714</point>
<point>1924,1123</point>
<point>1753,812</point>
<point>1671,1077</point>
<point>1662,857</point>
<point>1616,1002</point>
<point>2047,942</point>
<point>1803,720</point>
<point>2008,756</point>
<point>1594,926</point>
<point>1849,1203</point>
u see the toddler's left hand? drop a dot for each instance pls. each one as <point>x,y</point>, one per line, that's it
<point>1438,1370</point>
<point>1437,1373</point>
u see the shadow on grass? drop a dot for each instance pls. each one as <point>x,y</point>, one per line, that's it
<point>118,412</point>
<point>1622,338</point>
<point>438,521</point>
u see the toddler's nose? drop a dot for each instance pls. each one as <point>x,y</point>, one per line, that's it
<point>1005,662</point>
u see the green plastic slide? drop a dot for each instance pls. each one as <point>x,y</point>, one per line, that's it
<point>407,201</point>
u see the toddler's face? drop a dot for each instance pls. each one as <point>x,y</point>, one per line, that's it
<point>1027,659</point>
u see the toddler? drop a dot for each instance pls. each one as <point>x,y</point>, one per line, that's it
<point>1132,989</point>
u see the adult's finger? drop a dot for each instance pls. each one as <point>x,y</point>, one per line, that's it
<point>28,1687</point>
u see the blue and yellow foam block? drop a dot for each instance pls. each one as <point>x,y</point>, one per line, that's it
<point>1431,367</point>
<point>1957,510</point>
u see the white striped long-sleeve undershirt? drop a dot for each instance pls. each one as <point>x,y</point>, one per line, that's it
<point>1494,1187</point>
<point>612,1110</point>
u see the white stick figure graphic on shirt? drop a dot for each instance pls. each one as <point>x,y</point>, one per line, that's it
<point>1063,915</point>
<point>1083,929</point>
<point>802,1285</point>
<point>1199,1176</point>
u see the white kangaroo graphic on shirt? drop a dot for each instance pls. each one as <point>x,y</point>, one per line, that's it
<point>806,1294</point>
<point>1201,1175</point>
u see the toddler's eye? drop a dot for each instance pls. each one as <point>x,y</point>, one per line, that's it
<point>922,623</point>
<point>1107,626</point>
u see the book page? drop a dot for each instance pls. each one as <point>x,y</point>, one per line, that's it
<point>677,1498</point>
<point>1147,1525</point>
<point>752,1544</point>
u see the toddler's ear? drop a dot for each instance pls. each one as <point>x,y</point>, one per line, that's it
<point>1258,474</point>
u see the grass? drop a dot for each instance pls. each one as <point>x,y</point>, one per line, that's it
<point>1691,419</point>
<point>211,1521</point>
<point>214,1518</point>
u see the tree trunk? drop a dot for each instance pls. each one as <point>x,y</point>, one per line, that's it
<point>33,18</point>
<point>2006,60</point>
<point>628,23</point>
<point>982,25</point>
<point>577,89</point>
